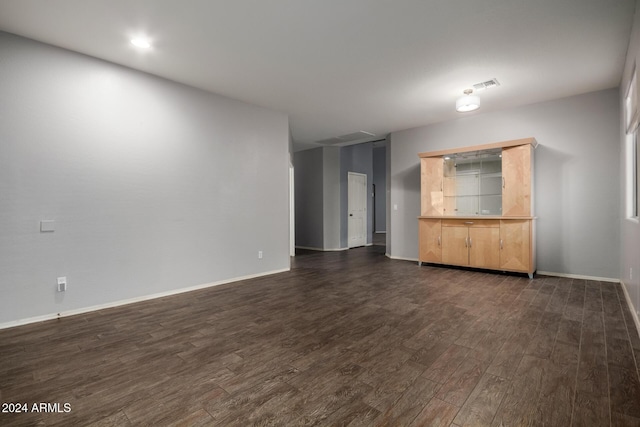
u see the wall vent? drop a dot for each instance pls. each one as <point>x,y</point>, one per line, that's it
<point>486,85</point>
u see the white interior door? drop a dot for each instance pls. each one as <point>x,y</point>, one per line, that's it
<point>357,209</point>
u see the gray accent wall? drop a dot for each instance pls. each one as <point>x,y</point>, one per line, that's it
<point>380,181</point>
<point>355,158</point>
<point>577,188</point>
<point>331,197</point>
<point>153,186</point>
<point>309,198</point>
<point>317,198</point>
<point>321,197</point>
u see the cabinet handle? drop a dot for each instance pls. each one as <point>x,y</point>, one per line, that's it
<point>503,182</point>
<point>466,245</point>
<point>469,241</point>
<point>500,243</point>
<point>468,222</point>
<point>438,240</point>
<point>441,185</point>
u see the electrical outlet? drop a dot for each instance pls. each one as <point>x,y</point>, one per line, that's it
<point>259,254</point>
<point>62,284</point>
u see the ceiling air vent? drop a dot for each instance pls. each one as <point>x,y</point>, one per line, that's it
<point>346,138</point>
<point>354,136</point>
<point>486,85</point>
<point>329,141</point>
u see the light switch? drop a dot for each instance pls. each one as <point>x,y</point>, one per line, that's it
<point>47,225</point>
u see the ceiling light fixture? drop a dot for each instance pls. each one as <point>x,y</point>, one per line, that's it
<point>467,102</point>
<point>141,43</point>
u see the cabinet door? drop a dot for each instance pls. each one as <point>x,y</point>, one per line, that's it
<point>431,176</point>
<point>484,247</point>
<point>515,245</point>
<point>454,245</point>
<point>516,184</point>
<point>430,240</point>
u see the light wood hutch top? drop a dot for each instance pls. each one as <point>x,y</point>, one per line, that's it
<point>491,146</point>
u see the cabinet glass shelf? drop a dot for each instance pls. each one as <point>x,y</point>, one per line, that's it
<point>473,183</point>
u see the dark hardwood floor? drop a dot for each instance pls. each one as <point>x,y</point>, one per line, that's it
<point>345,338</point>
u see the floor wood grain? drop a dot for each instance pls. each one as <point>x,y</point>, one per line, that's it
<point>344,338</point>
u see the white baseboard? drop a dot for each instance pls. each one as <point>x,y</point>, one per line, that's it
<point>632,309</point>
<point>579,276</point>
<point>311,248</point>
<point>402,258</point>
<point>544,273</point>
<point>132,300</point>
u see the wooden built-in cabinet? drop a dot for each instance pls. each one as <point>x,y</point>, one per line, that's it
<point>477,215</point>
<point>516,180</point>
<point>516,245</point>
<point>473,243</point>
<point>430,240</point>
<point>432,181</point>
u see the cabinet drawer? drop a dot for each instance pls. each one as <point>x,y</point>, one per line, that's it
<point>484,223</point>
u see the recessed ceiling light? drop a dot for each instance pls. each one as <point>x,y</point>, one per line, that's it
<point>141,43</point>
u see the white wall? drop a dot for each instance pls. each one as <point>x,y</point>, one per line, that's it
<point>629,229</point>
<point>153,186</point>
<point>577,190</point>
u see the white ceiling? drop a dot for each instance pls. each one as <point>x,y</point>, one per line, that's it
<point>342,66</point>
